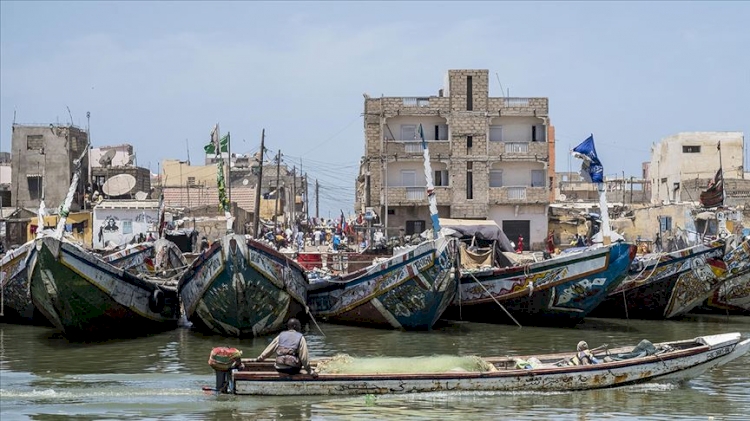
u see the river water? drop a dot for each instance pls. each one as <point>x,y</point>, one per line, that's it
<point>43,376</point>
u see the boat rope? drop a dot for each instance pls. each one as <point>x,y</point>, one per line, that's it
<point>307,310</point>
<point>495,299</point>
<point>625,304</point>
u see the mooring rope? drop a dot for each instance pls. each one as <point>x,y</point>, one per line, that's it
<point>494,299</point>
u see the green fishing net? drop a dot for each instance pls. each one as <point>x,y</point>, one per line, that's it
<point>345,364</point>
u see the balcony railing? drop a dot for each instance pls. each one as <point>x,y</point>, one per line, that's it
<point>516,102</point>
<point>415,193</point>
<point>412,147</point>
<point>416,102</point>
<point>517,147</point>
<point>517,193</point>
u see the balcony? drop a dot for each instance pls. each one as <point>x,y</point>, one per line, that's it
<point>402,195</point>
<point>520,151</point>
<point>518,194</point>
<point>413,148</point>
<point>416,102</point>
<point>519,106</point>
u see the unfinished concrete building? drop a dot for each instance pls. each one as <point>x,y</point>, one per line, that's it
<point>43,164</point>
<point>490,158</point>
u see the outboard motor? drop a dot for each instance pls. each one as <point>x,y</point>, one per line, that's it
<point>223,361</point>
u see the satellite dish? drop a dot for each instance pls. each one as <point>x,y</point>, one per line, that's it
<point>106,159</point>
<point>141,195</point>
<point>119,185</point>
<point>245,182</point>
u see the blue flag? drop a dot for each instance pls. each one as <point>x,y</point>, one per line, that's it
<point>420,133</point>
<point>591,169</point>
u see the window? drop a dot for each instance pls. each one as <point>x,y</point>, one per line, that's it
<point>691,149</point>
<point>469,94</point>
<point>35,183</point>
<point>391,211</point>
<point>537,133</point>
<point>127,226</point>
<point>537,178</point>
<point>469,180</point>
<point>191,181</point>
<point>665,223</point>
<point>441,132</point>
<point>415,227</point>
<point>496,178</point>
<point>35,142</point>
<point>496,133</point>
<point>408,132</point>
<point>441,178</point>
<point>469,143</point>
<point>408,178</point>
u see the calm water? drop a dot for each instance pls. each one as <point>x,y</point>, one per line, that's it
<point>45,377</point>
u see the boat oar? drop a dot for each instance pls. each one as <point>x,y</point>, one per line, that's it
<point>495,299</point>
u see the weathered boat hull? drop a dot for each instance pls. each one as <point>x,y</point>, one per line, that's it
<point>236,289</point>
<point>16,301</point>
<point>685,362</point>
<point>409,291</point>
<point>560,291</point>
<point>667,286</point>
<point>732,297</point>
<point>87,298</point>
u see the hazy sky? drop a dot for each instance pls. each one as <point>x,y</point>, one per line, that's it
<point>156,74</point>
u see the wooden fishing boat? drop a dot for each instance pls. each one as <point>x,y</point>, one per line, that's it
<point>87,297</point>
<point>663,362</point>
<point>15,302</point>
<point>733,295</point>
<point>407,291</point>
<point>558,291</point>
<point>242,288</point>
<point>664,286</point>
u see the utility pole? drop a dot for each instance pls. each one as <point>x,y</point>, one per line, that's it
<point>307,200</point>
<point>258,191</point>
<point>317,199</point>
<point>294,195</point>
<point>276,207</point>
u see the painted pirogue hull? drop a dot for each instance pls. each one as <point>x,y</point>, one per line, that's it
<point>87,298</point>
<point>16,300</point>
<point>733,295</point>
<point>667,286</point>
<point>408,291</point>
<point>556,292</point>
<point>236,289</point>
<point>686,360</point>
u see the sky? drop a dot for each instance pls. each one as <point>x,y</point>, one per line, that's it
<point>159,75</point>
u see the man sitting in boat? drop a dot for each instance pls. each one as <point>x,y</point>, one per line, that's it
<point>291,350</point>
<point>583,355</point>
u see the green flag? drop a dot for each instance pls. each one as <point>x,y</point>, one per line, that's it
<point>223,143</point>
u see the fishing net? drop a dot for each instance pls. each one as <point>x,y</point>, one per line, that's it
<point>345,364</point>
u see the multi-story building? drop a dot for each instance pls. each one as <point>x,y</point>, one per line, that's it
<point>491,158</point>
<point>682,164</point>
<point>44,162</point>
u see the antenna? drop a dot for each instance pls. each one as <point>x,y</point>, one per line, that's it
<point>502,90</point>
<point>188,151</point>
<point>70,115</point>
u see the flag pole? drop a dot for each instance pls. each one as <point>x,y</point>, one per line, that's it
<point>229,168</point>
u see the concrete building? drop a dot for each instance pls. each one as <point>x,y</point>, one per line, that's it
<point>118,222</point>
<point>109,161</point>
<point>6,176</point>
<point>43,159</point>
<point>682,164</point>
<point>490,158</point>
